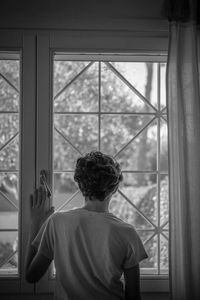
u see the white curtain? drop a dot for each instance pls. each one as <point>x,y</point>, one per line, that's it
<point>183,94</point>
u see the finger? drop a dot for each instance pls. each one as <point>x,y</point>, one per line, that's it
<point>41,196</point>
<point>34,198</point>
<point>37,198</point>
<point>51,211</point>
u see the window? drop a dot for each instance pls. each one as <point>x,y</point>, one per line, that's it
<point>9,162</point>
<point>118,107</point>
<point>54,106</point>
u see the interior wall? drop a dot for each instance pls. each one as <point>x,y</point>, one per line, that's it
<point>65,14</point>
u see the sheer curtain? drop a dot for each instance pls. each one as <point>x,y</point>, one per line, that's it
<point>183,94</point>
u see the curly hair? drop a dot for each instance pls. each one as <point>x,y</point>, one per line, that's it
<point>98,175</point>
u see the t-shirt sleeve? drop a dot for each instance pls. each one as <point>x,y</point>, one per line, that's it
<point>44,241</point>
<point>135,250</point>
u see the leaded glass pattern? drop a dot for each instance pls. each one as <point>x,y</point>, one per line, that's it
<point>118,108</point>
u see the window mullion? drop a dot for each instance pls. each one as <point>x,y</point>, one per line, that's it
<point>27,148</point>
<point>44,127</point>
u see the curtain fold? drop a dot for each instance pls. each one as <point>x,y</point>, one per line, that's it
<point>183,96</point>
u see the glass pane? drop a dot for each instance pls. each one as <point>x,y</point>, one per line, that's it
<point>164,199</point>
<point>142,193</point>
<point>65,71</point>
<point>116,96</point>
<point>8,193</point>
<point>64,188</point>
<point>150,265</point>
<point>143,76</point>
<point>8,253</point>
<point>145,235</point>
<point>9,126</point>
<point>10,69</point>
<point>117,131</point>
<point>141,153</point>
<point>9,98</point>
<point>65,156</point>
<point>164,260</point>
<point>9,160</point>
<point>125,211</point>
<point>162,85</point>
<point>82,95</point>
<point>163,146</point>
<point>9,156</point>
<point>80,130</point>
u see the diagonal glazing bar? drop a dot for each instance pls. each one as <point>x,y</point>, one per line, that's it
<point>163,117</point>
<point>139,212</point>
<point>73,79</point>
<point>139,132</point>
<point>10,83</point>
<point>66,139</point>
<point>5,261</point>
<point>164,224</point>
<point>120,76</point>
<point>151,237</point>
<point>166,237</point>
<point>163,110</point>
<point>9,141</point>
<point>7,199</point>
<point>68,201</point>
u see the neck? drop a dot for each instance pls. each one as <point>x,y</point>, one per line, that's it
<point>96,205</point>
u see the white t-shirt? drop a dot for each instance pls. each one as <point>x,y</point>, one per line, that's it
<point>90,251</point>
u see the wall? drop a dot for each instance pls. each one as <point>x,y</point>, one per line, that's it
<point>65,14</point>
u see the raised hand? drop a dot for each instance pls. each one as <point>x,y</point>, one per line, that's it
<point>40,206</point>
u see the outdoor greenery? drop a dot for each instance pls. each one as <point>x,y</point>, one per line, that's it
<point>75,134</point>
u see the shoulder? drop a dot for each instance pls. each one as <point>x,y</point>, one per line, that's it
<point>125,229</point>
<point>61,216</point>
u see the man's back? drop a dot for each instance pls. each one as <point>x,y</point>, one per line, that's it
<point>90,250</point>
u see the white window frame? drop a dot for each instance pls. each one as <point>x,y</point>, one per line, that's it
<point>37,48</point>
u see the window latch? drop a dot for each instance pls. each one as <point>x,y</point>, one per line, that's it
<point>43,181</point>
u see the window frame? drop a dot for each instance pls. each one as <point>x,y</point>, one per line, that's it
<point>37,48</point>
